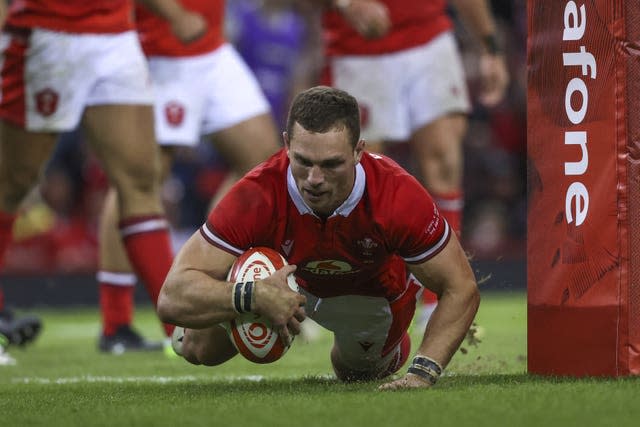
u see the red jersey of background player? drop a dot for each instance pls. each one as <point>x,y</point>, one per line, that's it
<point>158,39</point>
<point>356,251</point>
<point>72,16</point>
<point>413,23</point>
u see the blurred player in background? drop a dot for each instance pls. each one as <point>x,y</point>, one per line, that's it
<point>350,223</point>
<point>202,89</point>
<point>280,41</point>
<point>71,62</point>
<point>400,60</point>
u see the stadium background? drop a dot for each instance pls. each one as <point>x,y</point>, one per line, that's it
<point>54,255</point>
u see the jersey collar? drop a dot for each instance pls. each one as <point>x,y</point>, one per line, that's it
<point>345,209</point>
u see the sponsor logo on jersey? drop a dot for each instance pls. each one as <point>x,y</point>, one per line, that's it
<point>174,113</point>
<point>329,267</point>
<point>47,101</point>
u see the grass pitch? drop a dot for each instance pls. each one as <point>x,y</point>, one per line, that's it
<point>62,380</point>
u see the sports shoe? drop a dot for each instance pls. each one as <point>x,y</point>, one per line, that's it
<point>19,330</point>
<point>126,339</point>
<point>5,358</point>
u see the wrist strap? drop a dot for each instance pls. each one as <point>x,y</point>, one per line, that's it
<point>242,297</point>
<point>426,368</point>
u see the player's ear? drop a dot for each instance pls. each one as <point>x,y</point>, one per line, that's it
<point>359,150</point>
<point>285,139</point>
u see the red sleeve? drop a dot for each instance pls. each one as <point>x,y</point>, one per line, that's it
<point>417,230</point>
<point>242,219</point>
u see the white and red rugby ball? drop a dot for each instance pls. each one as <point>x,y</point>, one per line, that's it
<point>250,333</point>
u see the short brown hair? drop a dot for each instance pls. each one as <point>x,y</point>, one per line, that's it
<point>322,108</point>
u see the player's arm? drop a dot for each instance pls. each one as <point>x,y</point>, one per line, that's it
<point>477,15</point>
<point>449,275</point>
<point>370,18</point>
<point>186,25</point>
<point>196,295</point>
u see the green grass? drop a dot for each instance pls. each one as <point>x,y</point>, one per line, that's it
<point>63,381</point>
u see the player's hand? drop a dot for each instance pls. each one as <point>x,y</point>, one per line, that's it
<point>495,78</point>
<point>283,307</point>
<point>370,18</point>
<point>408,381</point>
<point>188,26</point>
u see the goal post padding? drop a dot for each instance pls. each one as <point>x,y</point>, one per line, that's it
<point>583,244</point>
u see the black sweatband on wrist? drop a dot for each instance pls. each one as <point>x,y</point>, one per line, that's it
<point>426,368</point>
<point>247,297</point>
<point>237,297</point>
<point>491,44</point>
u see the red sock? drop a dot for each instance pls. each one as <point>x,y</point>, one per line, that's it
<point>116,299</point>
<point>146,240</point>
<point>450,206</point>
<point>6,226</point>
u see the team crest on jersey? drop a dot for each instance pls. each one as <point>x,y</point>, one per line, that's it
<point>329,267</point>
<point>174,113</point>
<point>47,101</point>
<point>367,246</point>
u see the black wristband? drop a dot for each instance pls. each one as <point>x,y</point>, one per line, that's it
<point>237,297</point>
<point>491,44</point>
<point>425,368</point>
<point>247,296</point>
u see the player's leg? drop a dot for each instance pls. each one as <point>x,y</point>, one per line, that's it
<point>22,155</point>
<point>117,280</point>
<point>237,118</point>
<point>437,148</point>
<point>209,347</point>
<point>122,137</point>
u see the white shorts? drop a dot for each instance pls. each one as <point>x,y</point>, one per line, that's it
<point>402,91</point>
<point>200,95</point>
<point>48,77</point>
<point>367,330</point>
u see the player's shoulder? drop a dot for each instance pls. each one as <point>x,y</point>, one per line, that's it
<point>390,185</point>
<point>268,175</point>
<point>382,170</point>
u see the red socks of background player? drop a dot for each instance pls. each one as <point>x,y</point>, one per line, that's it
<point>116,299</point>
<point>6,225</point>
<point>146,240</point>
<point>450,206</point>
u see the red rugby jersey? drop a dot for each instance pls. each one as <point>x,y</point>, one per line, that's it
<point>413,22</point>
<point>359,250</point>
<point>157,39</point>
<point>73,16</point>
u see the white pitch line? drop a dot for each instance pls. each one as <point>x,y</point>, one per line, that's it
<point>121,380</point>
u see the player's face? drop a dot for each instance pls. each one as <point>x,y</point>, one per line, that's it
<point>323,165</point>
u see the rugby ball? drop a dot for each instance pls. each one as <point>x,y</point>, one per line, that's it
<point>251,334</point>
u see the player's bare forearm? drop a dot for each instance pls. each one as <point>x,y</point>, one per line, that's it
<point>450,276</point>
<point>477,16</point>
<point>186,25</point>
<point>195,294</point>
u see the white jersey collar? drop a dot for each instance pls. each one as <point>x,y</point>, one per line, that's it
<point>345,209</point>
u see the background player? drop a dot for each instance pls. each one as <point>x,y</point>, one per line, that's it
<point>202,89</point>
<point>66,62</point>
<point>400,60</point>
